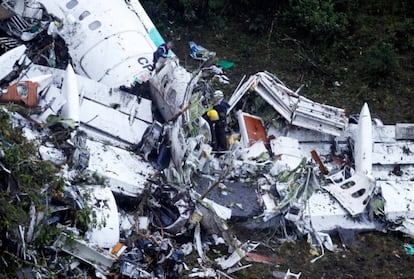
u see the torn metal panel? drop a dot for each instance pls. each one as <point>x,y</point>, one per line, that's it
<point>319,117</point>
<point>170,209</point>
<point>304,136</point>
<point>353,193</point>
<point>133,271</point>
<point>171,88</point>
<point>177,140</point>
<point>136,107</point>
<point>401,153</point>
<point>104,228</point>
<point>111,123</point>
<point>9,43</point>
<point>105,112</point>
<point>325,214</point>
<point>9,59</point>
<point>237,255</point>
<point>256,151</point>
<point>296,109</point>
<point>339,176</point>
<point>221,211</point>
<point>43,82</point>
<point>407,227</point>
<point>269,204</point>
<point>197,241</point>
<point>206,273</point>
<point>102,260</point>
<point>287,150</point>
<point>384,133</point>
<point>399,199</point>
<point>380,133</point>
<point>404,131</point>
<point>126,172</point>
<point>50,103</point>
<point>49,153</point>
<point>130,104</point>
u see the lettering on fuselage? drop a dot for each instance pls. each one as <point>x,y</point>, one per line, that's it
<point>145,63</point>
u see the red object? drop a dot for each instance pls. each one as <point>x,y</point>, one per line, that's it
<point>318,160</point>
<point>253,257</point>
<point>23,93</point>
<point>255,129</point>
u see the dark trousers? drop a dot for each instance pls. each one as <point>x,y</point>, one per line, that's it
<point>221,138</point>
<point>164,157</point>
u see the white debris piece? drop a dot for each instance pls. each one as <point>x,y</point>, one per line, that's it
<point>126,172</point>
<point>9,59</point>
<point>324,214</point>
<point>353,193</point>
<point>104,226</point>
<point>221,211</point>
<point>288,151</point>
<point>52,154</point>
<point>51,102</point>
<point>399,199</point>
<point>407,227</point>
<point>237,255</point>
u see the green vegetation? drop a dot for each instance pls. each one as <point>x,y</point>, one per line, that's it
<point>28,185</point>
<point>23,185</point>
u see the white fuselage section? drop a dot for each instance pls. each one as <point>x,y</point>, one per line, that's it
<point>109,41</point>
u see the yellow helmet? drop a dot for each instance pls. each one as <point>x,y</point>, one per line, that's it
<point>213,115</point>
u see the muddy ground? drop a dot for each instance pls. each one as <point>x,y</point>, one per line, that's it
<point>373,254</point>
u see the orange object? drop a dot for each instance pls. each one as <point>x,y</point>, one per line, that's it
<point>23,92</point>
<point>118,249</point>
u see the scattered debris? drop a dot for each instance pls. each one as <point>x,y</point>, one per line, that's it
<point>133,187</point>
<point>199,52</point>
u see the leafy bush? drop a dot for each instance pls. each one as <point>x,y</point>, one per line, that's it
<point>380,60</point>
<point>320,19</point>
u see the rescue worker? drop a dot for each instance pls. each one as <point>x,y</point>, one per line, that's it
<point>212,117</point>
<point>161,52</point>
<point>221,106</point>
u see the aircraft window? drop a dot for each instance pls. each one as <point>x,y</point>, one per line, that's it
<point>84,15</point>
<point>358,193</point>
<point>95,25</point>
<point>71,4</point>
<point>348,185</point>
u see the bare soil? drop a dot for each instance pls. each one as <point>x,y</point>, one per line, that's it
<point>373,255</point>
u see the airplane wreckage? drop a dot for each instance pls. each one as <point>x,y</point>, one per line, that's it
<point>300,167</point>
